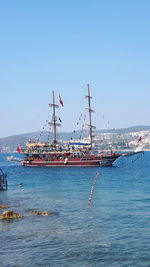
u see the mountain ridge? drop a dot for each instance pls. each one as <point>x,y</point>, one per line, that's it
<point>114,130</point>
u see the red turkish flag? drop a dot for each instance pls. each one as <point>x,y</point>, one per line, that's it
<point>19,149</point>
<point>61,102</point>
<point>139,140</point>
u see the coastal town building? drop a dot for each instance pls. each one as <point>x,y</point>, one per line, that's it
<point>103,141</point>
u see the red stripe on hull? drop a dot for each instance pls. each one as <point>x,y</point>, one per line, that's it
<point>61,163</point>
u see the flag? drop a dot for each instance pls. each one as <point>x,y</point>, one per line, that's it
<point>61,102</point>
<point>19,149</point>
<point>139,140</point>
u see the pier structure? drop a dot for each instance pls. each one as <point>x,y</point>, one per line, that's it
<point>3,180</point>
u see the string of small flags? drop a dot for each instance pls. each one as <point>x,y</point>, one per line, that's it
<point>92,189</point>
<point>83,118</point>
<point>81,131</point>
<point>43,128</point>
<point>80,117</point>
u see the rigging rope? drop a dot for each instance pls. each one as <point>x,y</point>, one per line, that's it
<point>141,154</point>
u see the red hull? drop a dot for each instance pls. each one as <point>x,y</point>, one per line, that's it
<point>90,161</point>
<point>60,163</point>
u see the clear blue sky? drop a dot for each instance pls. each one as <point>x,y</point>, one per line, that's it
<point>62,45</point>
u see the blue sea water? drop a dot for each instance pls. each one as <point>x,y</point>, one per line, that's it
<point>113,231</point>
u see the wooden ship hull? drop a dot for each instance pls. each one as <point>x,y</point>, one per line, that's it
<point>103,162</point>
<point>59,163</point>
<point>67,159</point>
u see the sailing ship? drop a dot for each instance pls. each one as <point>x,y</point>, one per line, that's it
<point>55,155</point>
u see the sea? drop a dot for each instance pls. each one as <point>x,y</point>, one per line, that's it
<point>112,230</point>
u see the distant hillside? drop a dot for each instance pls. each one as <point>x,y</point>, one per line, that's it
<point>126,130</point>
<point>10,143</point>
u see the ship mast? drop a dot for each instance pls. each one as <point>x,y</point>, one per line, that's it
<point>90,117</point>
<point>54,119</point>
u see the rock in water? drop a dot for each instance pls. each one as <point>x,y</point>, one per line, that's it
<point>3,207</point>
<point>8,214</point>
<point>42,213</point>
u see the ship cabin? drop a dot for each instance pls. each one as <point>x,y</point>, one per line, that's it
<point>54,156</point>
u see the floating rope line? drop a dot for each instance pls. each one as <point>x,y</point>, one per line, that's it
<point>92,189</point>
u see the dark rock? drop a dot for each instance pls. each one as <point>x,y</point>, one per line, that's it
<point>42,213</point>
<point>8,214</point>
<point>3,206</point>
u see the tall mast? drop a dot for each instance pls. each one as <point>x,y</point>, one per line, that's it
<point>54,119</point>
<point>90,117</point>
